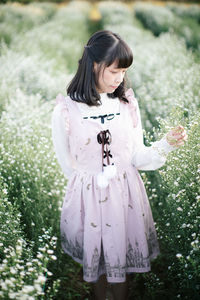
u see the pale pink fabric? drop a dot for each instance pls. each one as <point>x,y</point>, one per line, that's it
<point>108,230</point>
<point>133,106</point>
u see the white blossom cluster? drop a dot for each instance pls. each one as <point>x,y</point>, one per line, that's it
<point>161,19</point>
<point>36,63</point>
<point>23,275</point>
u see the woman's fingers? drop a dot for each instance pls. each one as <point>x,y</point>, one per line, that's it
<point>177,136</point>
<point>185,137</point>
<point>180,136</point>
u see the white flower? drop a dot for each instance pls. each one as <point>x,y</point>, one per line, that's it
<point>8,282</point>
<point>41,279</point>
<point>3,286</point>
<point>50,251</point>
<point>37,287</point>
<point>40,255</point>
<point>179,255</point>
<point>49,273</point>
<point>28,288</point>
<point>12,295</point>
<point>13,270</point>
<point>42,249</point>
<point>179,208</point>
<point>19,249</point>
<point>31,269</point>
<point>24,297</point>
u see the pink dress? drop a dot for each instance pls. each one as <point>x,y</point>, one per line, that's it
<point>109,230</point>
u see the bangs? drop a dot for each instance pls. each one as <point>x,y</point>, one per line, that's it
<point>122,54</point>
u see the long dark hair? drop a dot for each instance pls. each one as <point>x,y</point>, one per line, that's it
<point>104,47</point>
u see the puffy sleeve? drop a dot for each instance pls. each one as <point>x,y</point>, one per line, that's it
<point>60,135</point>
<point>143,157</point>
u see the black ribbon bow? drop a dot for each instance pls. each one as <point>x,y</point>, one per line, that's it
<point>104,137</point>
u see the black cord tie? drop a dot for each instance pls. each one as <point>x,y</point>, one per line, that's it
<point>104,138</point>
<point>108,171</point>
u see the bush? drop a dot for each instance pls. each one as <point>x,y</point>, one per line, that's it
<point>191,11</point>
<point>31,178</point>
<point>178,218</point>
<point>28,163</point>
<point>160,19</point>
<point>15,18</point>
<point>157,18</point>
<point>33,74</point>
<point>59,40</point>
<point>23,271</point>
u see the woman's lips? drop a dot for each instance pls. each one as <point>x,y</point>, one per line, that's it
<point>114,87</point>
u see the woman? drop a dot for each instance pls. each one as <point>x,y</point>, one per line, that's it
<point>106,220</point>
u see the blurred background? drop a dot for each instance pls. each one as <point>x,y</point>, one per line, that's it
<point>40,45</point>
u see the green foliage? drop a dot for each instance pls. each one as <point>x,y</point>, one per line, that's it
<point>33,71</point>
<point>179,221</point>
<point>41,46</point>
<point>161,19</point>
<point>191,11</point>
<point>158,19</point>
<point>33,74</point>
<point>23,271</point>
<point>15,18</point>
<point>28,165</point>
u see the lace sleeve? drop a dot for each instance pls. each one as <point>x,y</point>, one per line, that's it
<point>60,101</point>
<point>146,158</point>
<point>132,106</point>
<point>60,135</point>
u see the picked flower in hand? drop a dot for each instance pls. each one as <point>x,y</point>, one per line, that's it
<point>177,136</point>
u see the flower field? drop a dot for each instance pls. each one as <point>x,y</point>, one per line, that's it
<point>41,44</point>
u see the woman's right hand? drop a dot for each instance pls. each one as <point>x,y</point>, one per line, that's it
<point>177,136</point>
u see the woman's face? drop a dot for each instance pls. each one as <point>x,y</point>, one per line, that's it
<point>109,78</point>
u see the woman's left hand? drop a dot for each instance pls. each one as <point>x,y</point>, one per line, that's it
<point>177,136</point>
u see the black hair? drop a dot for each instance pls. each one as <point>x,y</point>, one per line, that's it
<point>104,47</point>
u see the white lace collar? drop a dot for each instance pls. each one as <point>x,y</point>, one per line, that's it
<point>108,106</point>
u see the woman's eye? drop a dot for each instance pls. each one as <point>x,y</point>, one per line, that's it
<point>115,72</point>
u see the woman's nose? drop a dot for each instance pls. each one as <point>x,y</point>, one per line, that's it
<point>119,78</point>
